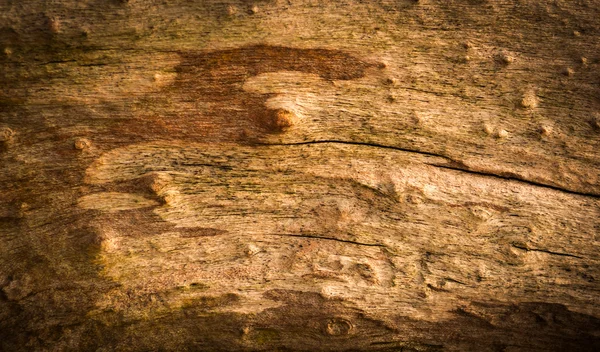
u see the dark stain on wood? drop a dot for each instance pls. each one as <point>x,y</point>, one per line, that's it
<point>207,100</point>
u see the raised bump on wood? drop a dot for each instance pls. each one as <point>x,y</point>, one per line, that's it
<point>81,143</point>
<point>339,327</point>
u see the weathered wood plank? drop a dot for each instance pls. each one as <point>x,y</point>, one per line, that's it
<point>233,175</point>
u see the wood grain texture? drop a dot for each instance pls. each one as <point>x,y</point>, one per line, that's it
<point>300,175</point>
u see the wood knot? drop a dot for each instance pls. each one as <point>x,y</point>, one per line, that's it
<point>252,250</point>
<point>506,58</point>
<point>584,61</point>
<point>545,130</point>
<point>6,134</point>
<point>339,327</point>
<point>502,133</point>
<point>54,25</point>
<point>529,101</point>
<point>568,71</point>
<point>232,10</point>
<point>280,120</point>
<point>391,81</point>
<point>82,144</point>
<point>596,121</point>
<point>157,184</point>
<point>488,129</point>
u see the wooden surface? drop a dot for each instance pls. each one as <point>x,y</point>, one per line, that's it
<point>300,175</point>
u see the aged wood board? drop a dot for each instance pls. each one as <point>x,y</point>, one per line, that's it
<point>300,175</point>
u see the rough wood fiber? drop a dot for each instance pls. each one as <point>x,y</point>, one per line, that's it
<point>300,175</point>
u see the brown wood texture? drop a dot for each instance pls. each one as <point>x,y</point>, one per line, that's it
<point>300,175</point>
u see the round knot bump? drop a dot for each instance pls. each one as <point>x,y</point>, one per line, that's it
<point>81,144</point>
<point>6,134</point>
<point>54,25</point>
<point>339,327</point>
<point>569,71</point>
<point>506,58</point>
<point>529,101</point>
<point>596,121</point>
<point>546,130</point>
<point>281,120</point>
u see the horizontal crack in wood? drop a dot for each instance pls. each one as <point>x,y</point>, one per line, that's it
<point>367,144</point>
<point>327,239</point>
<point>518,179</point>
<point>512,177</point>
<point>545,251</point>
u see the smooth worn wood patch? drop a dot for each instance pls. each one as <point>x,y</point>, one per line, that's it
<point>328,205</point>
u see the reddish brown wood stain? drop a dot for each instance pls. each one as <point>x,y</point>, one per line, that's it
<point>216,79</point>
<point>213,81</point>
